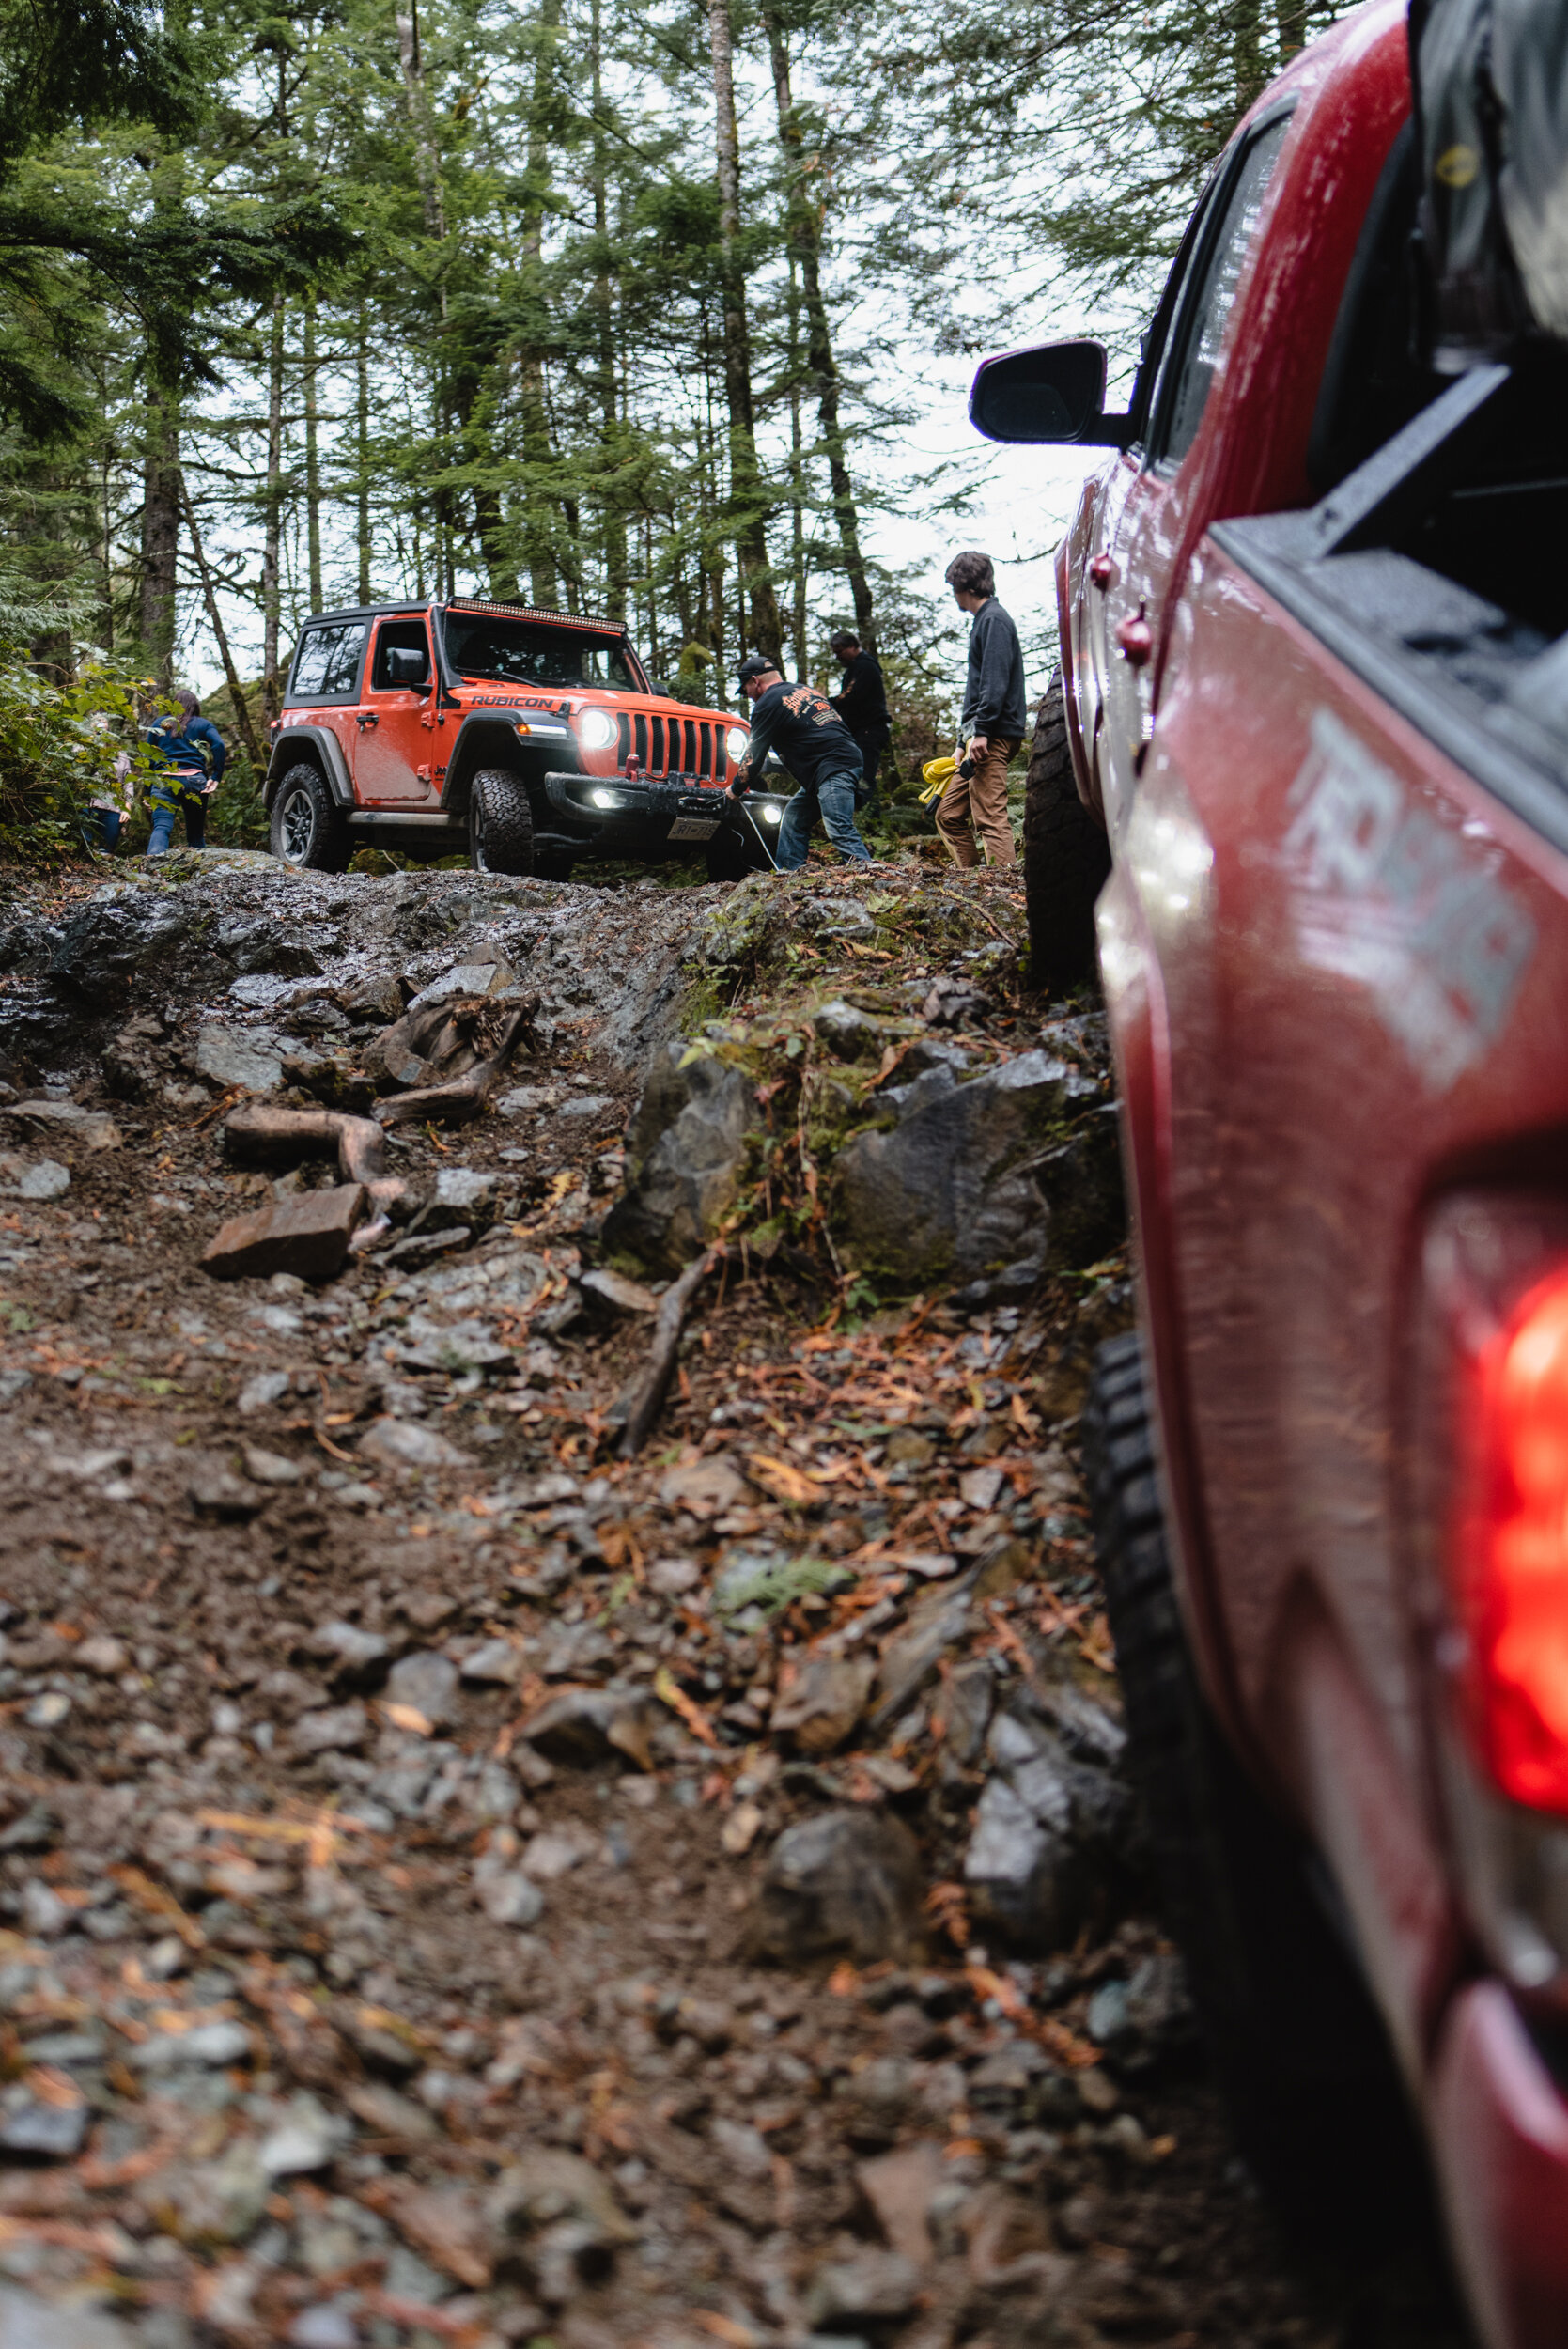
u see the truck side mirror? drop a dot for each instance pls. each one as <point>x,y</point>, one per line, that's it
<point>407,665</point>
<point>1054,392</point>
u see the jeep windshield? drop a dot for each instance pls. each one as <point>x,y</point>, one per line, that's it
<point>530,652</point>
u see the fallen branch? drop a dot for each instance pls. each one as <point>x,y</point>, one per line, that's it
<point>637,1407</point>
<point>461,1097</point>
<point>268,1137</point>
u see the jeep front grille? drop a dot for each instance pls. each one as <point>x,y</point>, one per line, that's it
<point>674,746</point>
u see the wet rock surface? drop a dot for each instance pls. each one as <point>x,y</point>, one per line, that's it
<point>458,1886</point>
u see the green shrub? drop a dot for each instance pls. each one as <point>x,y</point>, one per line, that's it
<point>54,755</point>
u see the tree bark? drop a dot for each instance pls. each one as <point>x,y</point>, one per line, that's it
<point>538,454</point>
<point>804,236</point>
<point>604,313</point>
<point>242,718</point>
<point>797,480</point>
<point>271,598</point>
<point>747,517</point>
<point>363,452</point>
<point>313,468</point>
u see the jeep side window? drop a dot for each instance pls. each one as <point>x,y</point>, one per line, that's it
<point>398,636</point>
<point>1208,317</point>
<point>327,664</point>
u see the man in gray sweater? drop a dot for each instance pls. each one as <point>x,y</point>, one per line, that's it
<point>993,722</point>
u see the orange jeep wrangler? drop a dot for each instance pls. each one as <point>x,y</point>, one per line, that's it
<point>529,739</point>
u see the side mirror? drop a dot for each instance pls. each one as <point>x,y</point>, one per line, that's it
<point>407,666</point>
<point>1055,392</point>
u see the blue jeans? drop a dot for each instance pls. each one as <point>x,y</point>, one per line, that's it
<point>162,827</point>
<point>833,799</point>
<point>108,822</point>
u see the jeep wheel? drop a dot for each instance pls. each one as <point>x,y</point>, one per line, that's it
<point>1067,856</point>
<point>307,828</point>
<point>499,823</point>
<point>1296,2038</point>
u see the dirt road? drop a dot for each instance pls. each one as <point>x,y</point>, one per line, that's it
<point>462,1887</point>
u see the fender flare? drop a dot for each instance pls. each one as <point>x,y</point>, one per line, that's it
<point>489,738</point>
<point>329,757</point>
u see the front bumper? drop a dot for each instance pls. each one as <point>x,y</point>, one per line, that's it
<point>608,815</point>
<point>1499,2134</point>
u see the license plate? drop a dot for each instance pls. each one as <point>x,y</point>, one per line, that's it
<point>693,827</point>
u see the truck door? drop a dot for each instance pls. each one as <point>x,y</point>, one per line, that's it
<point>394,722</point>
<point>1153,527</point>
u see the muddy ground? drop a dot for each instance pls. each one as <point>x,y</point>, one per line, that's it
<point>393,1776</point>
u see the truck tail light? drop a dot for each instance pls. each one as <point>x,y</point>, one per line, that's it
<point>1488,1485</point>
<point>1510,1547</point>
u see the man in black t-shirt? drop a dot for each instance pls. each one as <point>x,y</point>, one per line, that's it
<point>797,724</point>
<point>863,704</point>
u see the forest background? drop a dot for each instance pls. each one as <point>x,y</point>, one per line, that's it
<point>656,309</point>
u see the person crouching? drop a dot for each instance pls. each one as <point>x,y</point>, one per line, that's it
<point>189,756</point>
<point>800,726</point>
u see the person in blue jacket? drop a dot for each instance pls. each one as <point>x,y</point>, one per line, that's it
<point>189,755</point>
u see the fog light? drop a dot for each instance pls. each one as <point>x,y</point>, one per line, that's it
<point>771,815</point>
<point>607,798</point>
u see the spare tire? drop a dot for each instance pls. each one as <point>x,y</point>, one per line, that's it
<point>1067,856</point>
<point>499,823</point>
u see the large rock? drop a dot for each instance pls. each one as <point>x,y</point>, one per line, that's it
<point>1052,1824</point>
<point>845,1880</point>
<point>111,942</point>
<point>307,1236</point>
<point>685,1152</point>
<point>953,1190</point>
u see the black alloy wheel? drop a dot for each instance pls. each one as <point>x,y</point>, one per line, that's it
<point>307,830</point>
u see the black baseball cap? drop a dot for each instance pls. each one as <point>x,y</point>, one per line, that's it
<point>754,665</point>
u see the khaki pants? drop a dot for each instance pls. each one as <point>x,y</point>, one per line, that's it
<point>979,805</point>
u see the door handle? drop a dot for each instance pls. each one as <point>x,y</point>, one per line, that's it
<point>367,718</point>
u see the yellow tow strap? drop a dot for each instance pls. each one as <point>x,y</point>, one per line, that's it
<point>936,774</point>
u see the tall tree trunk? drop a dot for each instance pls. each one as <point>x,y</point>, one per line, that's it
<point>271,598</point>
<point>363,452</point>
<point>804,235</point>
<point>747,501</point>
<point>604,317</point>
<point>313,468</point>
<point>427,164</point>
<point>161,469</point>
<point>538,454</point>
<point>242,718</point>
<point>796,479</point>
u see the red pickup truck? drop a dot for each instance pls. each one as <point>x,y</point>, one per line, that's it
<point>530,739</point>
<point>1314,681</point>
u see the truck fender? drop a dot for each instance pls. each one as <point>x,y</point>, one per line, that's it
<point>489,738</point>
<point>329,756</point>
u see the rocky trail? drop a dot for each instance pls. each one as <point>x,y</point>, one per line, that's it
<point>460,1884</point>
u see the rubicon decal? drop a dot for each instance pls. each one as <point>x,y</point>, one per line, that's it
<point>1403,906</point>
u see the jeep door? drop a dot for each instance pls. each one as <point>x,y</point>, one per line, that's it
<point>395,722</point>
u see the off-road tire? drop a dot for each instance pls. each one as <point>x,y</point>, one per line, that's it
<point>499,823</point>
<point>1301,2052</point>
<point>307,830</point>
<point>1067,856</point>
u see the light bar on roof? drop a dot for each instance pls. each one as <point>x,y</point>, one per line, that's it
<point>535,611</point>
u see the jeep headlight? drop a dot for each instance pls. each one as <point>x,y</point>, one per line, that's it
<point>596,729</point>
<point>736,742</point>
